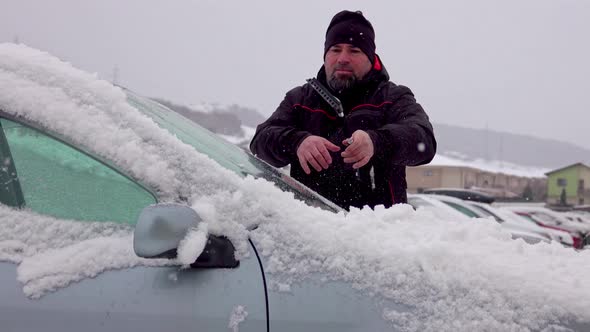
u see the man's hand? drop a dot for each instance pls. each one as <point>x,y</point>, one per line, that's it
<point>314,150</point>
<point>359,149</point>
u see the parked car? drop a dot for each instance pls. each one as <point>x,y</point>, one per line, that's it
<point>519,222</point>
<point>548,219</point>
<point>577,217</point>
<point>118,214</point>
<point>438,208</point>
<point>456,204</point>
<point>457,209</point>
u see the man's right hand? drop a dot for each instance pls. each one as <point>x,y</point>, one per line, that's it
<point>314,151</point>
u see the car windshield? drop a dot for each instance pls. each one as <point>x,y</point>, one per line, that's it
<point>462,209</point>
<point>486,212</point>
<point>528,217</point>
<point>226,154</point>
<point>418,202</point>
<point>544,217</point>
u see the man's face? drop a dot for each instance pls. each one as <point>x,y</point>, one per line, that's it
<point>345,64</point>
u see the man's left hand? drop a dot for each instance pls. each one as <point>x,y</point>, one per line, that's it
<point>360,151</point>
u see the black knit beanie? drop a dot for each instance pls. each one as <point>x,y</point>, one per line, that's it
<point>351,28</point>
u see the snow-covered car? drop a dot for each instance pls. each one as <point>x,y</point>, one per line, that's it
<point>439,208</point>
<point>470,209</point>
<point>519,221</point>
<point>550,219</point>
<point>117,214</point>
<point>577,217</point>
<point>529,231</point>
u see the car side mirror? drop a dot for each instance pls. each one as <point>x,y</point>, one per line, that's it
<point>161,227</point>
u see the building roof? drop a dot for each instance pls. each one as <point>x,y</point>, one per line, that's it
<point>566,167</point>
<point>491,166</point>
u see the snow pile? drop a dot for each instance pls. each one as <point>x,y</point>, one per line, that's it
<point>191,247</point>
<point>450,274</point>
<point>238,315</point>
<point>54,253</point>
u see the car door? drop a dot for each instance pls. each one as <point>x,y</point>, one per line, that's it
<point>57,203</point>
<point>318,304</point>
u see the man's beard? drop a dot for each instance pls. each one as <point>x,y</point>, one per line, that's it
<point>340,85</point>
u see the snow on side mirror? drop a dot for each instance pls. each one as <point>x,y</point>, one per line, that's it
<point>161,227</point>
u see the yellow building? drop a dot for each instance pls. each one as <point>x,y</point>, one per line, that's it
<point>569,185</point>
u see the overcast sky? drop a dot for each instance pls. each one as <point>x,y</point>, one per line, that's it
<point>520,66</point>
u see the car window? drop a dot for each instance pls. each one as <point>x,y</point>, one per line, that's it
<point>462,209</point>
<point>60,181</point>
<point>527,217</point>
<point>544,217</point>
<point>228,155</point>
<point>486,213</point>
<point>417,202</point>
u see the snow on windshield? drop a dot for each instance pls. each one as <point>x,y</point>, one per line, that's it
<point>455,275</point>
<point>95,114</point>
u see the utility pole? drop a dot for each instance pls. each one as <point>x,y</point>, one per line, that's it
<point>501,157</point>
<point>487,155</point>
<point>115,75</point>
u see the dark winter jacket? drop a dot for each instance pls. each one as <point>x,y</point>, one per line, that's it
<point>398,126</point>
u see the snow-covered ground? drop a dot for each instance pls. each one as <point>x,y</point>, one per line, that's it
<point>247,137</point>
<point>208,107</point>
<point>457,276</point>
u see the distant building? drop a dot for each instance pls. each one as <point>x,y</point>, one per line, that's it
<point>499,185</point>
<point>569,185</point>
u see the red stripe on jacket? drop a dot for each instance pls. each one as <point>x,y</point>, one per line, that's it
<point>371,105</point>
<point>331,117</point>
<point>391,192</point>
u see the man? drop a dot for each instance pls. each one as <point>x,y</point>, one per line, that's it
<point>359,158</point>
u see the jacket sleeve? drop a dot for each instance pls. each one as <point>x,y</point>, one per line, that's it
<point>407,138</point>
<point>276,140</point>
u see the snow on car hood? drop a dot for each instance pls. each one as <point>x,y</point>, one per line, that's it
<point>454,275</point>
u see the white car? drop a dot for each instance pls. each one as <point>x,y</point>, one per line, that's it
<point>577,217</point>
<point>437,207</point>
<point>552,219</point>
<point>515,221</point>
<point>461,209</point>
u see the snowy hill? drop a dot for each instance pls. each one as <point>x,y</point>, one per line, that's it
<point>478,148</point>
<point>511,148</point>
